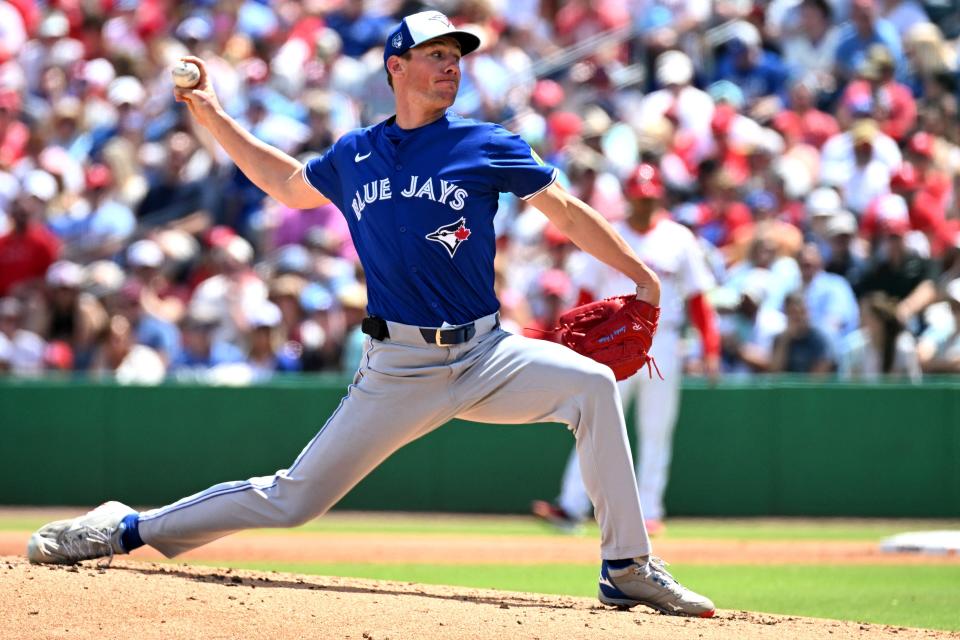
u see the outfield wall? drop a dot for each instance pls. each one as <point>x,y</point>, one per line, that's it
<point>773,448</point>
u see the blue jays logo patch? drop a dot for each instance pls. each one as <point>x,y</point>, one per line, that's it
<point>451,236</point>
<point>397,40</point>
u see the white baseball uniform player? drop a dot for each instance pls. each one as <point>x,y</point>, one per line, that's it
<point>673,252</point>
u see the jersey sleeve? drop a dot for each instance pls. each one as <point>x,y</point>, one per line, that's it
<point>514,166</point>
<point>321,173</point>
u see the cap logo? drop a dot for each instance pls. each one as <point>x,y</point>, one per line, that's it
<point>397,41</point>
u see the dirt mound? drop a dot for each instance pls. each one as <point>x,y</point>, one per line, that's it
<point>147,600</point>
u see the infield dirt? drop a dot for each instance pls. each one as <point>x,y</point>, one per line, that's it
<point>148,600</point>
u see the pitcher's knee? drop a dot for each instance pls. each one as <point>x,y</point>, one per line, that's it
<point>598,381</point>
<point>298,513</point>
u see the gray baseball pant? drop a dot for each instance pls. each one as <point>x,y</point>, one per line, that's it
<point>406,388</point>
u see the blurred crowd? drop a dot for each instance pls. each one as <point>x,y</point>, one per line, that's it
<point>812,146</point>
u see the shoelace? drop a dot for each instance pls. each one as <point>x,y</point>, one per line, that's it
<point>85,542</point>
<point>656,569</point>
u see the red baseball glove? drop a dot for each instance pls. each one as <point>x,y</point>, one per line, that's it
<point>616,331</point>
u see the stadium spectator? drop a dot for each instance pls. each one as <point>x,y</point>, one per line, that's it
<point>119,357</point>
<point>881,347</point>
<point>687,106</point>
<point>803,123</point>
<point>23,348</point>
<point>28,250</point>
<point>829,298</point>
<point>267,351</point>
<point>802,347</point>
<point>811,47</point>
<point>895,269</point>
<point>99,226</point>
<point>201,351</point>
<point>233,291</point>
<point>14,134</point>
<point>71,315</point>
<point>747,326</point>
<point>865,28</point>
<point>891,103</point>
<point>759,73</point>
<point>846,259</point>
<point>939,346</point>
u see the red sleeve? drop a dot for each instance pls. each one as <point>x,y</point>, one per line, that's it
<point>706,322</point>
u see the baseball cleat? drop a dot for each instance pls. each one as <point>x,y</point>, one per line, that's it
<point>650,584</point>
<point>555,515</point>
<point>93,535</point>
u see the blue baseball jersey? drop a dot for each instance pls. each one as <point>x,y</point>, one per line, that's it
<point>420,205</point>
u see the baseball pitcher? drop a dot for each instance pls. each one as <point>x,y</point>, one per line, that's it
<point>419,191</point>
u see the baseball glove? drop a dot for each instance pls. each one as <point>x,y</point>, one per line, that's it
<point>615,331</point>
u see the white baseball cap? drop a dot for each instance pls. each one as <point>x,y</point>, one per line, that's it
<point>674,67</point>
<point>64,273</point>
<point>416,29</point>
<point>239,249</point>
<point>824,201</point>
<point>841,223</point>
<point>126,90</point>
<point>264,314</point>
<point>145,253</point>
<point>40,184</point>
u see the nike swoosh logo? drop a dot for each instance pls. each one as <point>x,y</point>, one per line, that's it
<point>358,157</point>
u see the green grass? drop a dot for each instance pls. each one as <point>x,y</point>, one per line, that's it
<point>917,596</point>
<point>678,528</point>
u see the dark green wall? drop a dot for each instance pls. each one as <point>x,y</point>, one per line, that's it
<point>774,448</point>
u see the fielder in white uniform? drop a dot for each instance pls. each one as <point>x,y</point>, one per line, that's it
<point>672,251</point>
<point>420,191</point>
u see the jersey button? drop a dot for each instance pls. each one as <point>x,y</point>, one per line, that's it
<point>399,166</point>
<point>413,269</point>
<point>403,229</point>
<point>433,304</point>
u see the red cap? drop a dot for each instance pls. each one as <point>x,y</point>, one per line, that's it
<point>644,182</point>
<point>98,175</point>
<point>905,178</point>
<point>219,236</point>
<point>553,236</point>
<point>563,125</point>
<point>547,94</point>
<point>555,282</point>
<point>922,144</point>
<point>58,355</point>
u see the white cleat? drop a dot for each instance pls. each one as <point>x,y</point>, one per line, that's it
<point>650,584</point>
<point>93,535</point>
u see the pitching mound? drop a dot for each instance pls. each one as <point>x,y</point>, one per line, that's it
<point>148,600</point>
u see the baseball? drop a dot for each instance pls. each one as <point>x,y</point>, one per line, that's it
<point>185,74</point>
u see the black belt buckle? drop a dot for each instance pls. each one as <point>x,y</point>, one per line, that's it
<point>446,337</point>
<point>375,327</point>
